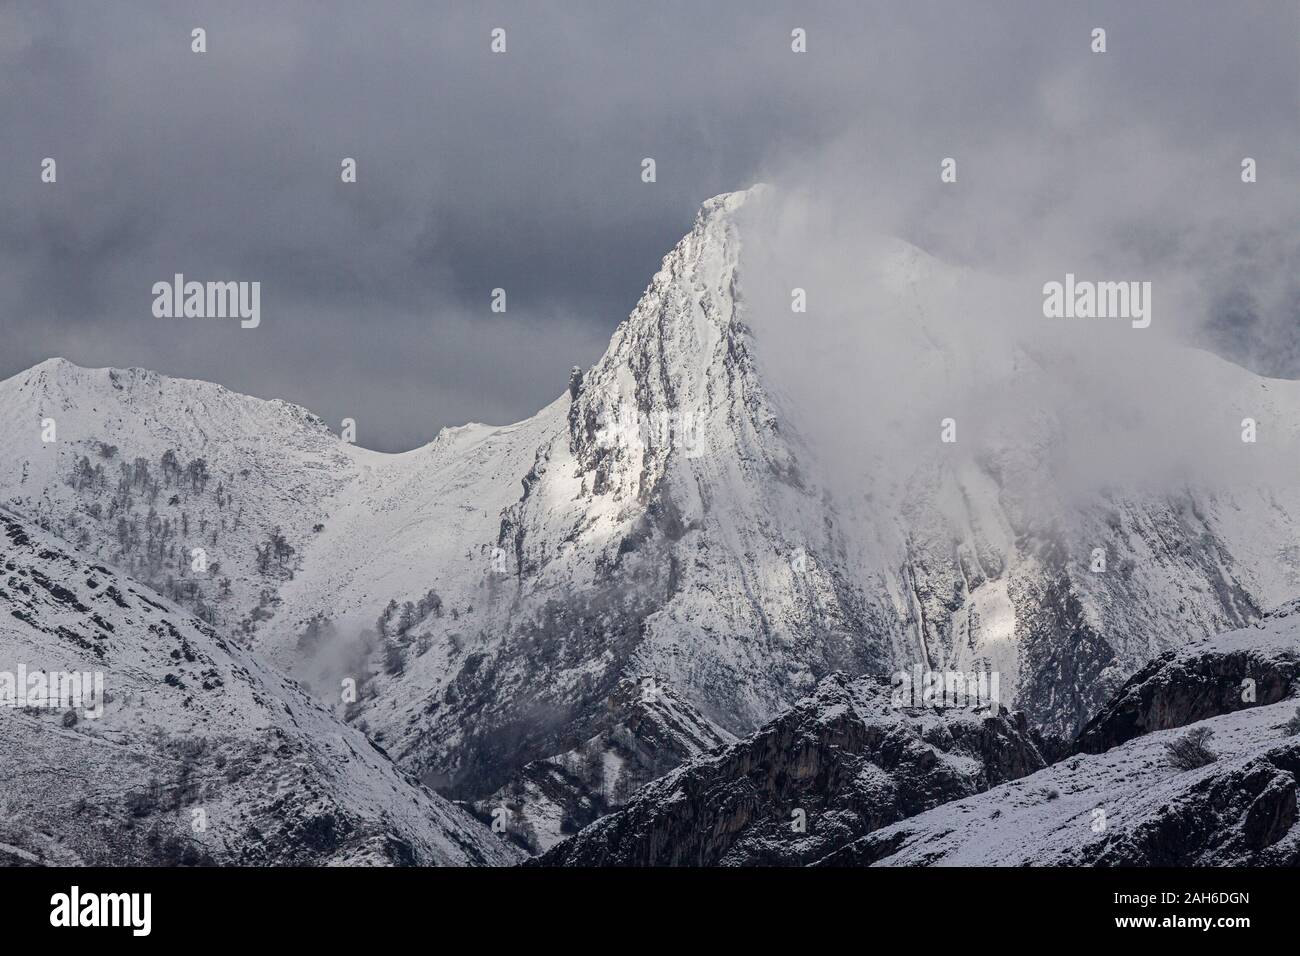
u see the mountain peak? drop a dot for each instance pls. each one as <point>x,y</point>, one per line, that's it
<point>728,203</point>
<point>81,398</point>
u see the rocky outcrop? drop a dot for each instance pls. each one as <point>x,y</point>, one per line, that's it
<point>682,509</point>
<point>1239,810</point>
<point>1207,679</point>
<point>846,779</point>
<point>1123,798</point>
<point>1240,815</point>
<point>652,731</point>
<point>841,763</point>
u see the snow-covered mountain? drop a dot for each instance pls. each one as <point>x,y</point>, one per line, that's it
<point>1135,803</point>
<point>847,778</point>
<point>663,529</point>
<point>842,762</point>
<point>140,469</point>
<point>201,752</point>
<point>671,515</point>
<point>650,732</point>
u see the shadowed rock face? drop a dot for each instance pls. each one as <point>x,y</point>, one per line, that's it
<point>651,732</point>
<point>677,511</point>
<point>1241,815</point>
<point>1122,799</point>
<point>842,762</point>
<point>1238,812</point>
<point>884,786</point>
<point>1180,688</point>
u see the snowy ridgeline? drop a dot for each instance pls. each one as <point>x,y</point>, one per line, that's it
<point>184,748</point>
<point>475,605</point>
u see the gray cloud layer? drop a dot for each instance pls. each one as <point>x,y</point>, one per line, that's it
<point>522,171</point>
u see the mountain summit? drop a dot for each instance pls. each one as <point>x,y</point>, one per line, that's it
<point>668,520</point>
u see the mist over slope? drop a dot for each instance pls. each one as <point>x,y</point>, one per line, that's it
<point>847,777</point>
<point>1126,798</point>
<point>736,500</point>
<point>192,751</point>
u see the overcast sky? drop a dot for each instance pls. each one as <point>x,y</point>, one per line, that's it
<point>522,170</point>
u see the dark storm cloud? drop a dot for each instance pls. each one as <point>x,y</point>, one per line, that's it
<point>522,170</point>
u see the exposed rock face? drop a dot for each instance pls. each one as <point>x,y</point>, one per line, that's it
<point>200,755</point>
<point>671,513</point>
<point>1207,679</point>
<point>1237,811</point>
<point>841,763</point>
<point>652,731</point>
<point>919,787</point>
<point>663,528</point>
<point>1121,800</point>
<point>1241,815</point>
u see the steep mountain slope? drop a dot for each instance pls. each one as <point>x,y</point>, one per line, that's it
<point>1209,677</point>
<point>662,530</point>
<point>679,525</point>
<point>651,732</point>
<point>840,763</point>
<point>141,470</point>
<point>201,754</point>
<point>1237,811</point>
<point>1132,804</point>
<point>1076,525</point>
<point>677,513</point>
<point>880,784</point>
